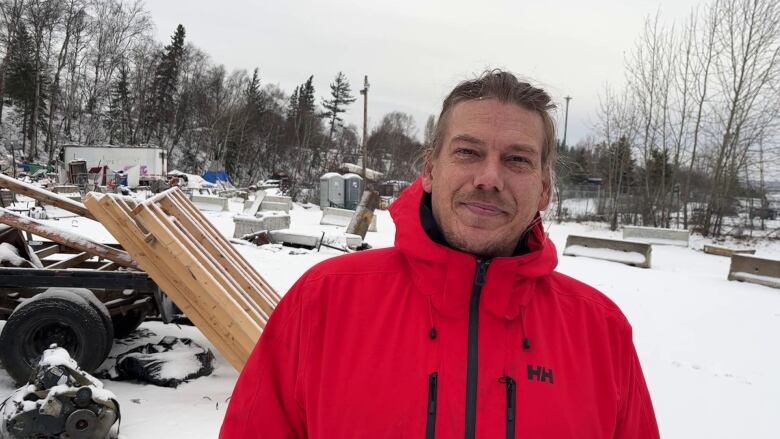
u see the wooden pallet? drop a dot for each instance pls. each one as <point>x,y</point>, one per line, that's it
<point>194,264</point>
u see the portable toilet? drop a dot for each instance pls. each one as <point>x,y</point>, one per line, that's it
<point>331,190</point>
<point>353,190</point>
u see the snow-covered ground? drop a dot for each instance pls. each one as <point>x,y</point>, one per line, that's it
<point>710,348</point>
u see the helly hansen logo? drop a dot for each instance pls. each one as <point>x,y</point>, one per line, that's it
<point>540,373</point>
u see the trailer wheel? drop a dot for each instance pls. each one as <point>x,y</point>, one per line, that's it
<point>125,324</point>
<point>64,318</point>
<point>96,304</point>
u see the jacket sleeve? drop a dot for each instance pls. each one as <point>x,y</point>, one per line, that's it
<point>263,403</point>
<point>637,418</point>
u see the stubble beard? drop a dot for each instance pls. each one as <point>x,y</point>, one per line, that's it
<point>497,246</point>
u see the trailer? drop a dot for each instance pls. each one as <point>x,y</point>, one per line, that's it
<point>59,287</point>
<point>141,164</point>
<point>51,293</point>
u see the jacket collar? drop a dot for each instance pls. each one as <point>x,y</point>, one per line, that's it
<point>446,273</point>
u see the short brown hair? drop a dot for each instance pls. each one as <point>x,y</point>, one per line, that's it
<point>505,87</point>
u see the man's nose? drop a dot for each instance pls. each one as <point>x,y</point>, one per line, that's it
<point>489,175</point>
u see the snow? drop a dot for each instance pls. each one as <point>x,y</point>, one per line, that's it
<point>606,253</point>
<point>769,281</point>
<point>8,252</point>
<point>57,357</point>
<point>708,346</point>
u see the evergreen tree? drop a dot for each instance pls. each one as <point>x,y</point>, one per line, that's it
<point>20,81</point>
<point>341,96</point>
<point>254,97</point>
<point>119,111</point>
<point>166,80</point>
<point>20,76</point>
<point>306,97</point>
<point>292,108</point>
<point>430,131</point>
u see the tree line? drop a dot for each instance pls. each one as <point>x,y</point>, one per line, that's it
<point>695,126</point>
<point>90,72</point>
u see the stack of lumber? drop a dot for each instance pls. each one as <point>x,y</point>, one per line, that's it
<point>194,264</point>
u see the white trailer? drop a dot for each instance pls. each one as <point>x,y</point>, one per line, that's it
<point>150,161</point>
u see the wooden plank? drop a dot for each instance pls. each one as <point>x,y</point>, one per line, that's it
<point>67,238</point>
<point>110,266</point>
<point>216,246</point>
<point>212,266</point>
<point>115,215</point>
<point>228,248</point>
<point>191,271</point>
<point>72,261</point>
<point>44,196</point>
<point>48,251</point>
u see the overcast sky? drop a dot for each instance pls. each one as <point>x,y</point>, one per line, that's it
<point>414,52</point>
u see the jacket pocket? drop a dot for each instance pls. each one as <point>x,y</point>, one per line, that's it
<point>433,390</point>
<point>511,402</point>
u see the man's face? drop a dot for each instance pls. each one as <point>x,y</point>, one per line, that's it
<point>487,183</point>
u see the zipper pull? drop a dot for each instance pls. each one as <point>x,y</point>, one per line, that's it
<point>482,266</point>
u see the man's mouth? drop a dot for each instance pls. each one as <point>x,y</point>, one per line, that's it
<point>483,209</point>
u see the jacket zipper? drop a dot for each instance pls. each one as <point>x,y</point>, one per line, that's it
<point>473,341</point>
<point>433,391</point>
<point>511,401</point>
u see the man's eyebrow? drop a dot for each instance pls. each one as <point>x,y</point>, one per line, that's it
<point>467,139</point>
<point>523,147</point>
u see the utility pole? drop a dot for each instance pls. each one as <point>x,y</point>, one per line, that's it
<point>364,92</point>
<point>566,121</point>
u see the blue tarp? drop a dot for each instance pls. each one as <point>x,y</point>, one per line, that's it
<point>214,176</point>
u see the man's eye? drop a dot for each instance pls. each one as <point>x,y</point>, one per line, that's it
<point>465,151</point>
<point>519,159</point>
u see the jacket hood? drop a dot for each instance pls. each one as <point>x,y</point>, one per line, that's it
<point>434,264</point>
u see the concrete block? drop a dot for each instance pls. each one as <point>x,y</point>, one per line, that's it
<point>725,251</point>
<point>654,235</point>
<point>279,199</point>
<point>340,217</point>
<point>311,240</point>
<point>747,268</point>
<point>246,225</point>
<point>272,206</point>
<point>637,254</point>
<point>210,202</point>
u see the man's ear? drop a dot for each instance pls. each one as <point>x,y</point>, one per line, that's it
<point>547,188</point>
<point>427,172</point>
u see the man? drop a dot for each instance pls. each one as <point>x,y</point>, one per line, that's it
<point>462,329</point>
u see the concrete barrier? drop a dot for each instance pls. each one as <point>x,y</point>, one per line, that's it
<point>654,235</point>
<point>725,251</point>
<point>210,202</point>
<point>311,240</point>
<point>279,199</point>
<point>273,206</point>
<point>746,268</point>
<point>637,254</point>
<point>340,217</point>
<point>246,225</point>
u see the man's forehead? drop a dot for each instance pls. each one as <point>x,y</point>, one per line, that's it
<point>468,120</point>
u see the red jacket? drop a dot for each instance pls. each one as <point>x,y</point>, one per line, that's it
<point>420,340</point>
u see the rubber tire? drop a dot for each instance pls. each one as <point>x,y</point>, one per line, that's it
<point>99,307</point>
<point>125,324</point>
<point>19,352</point>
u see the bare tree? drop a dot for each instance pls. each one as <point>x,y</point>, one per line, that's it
<point>747,72</point>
